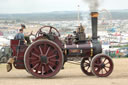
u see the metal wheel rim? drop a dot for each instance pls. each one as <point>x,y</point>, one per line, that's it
<point>44,66</point>
<point>86,69</point>
<point>97,68</point>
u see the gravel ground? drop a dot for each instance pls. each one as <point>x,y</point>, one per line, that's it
<point>71,75</point>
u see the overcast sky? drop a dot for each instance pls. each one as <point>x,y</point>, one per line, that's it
<point>33,6</point>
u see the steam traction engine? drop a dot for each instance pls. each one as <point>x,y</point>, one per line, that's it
<point>46,55</point>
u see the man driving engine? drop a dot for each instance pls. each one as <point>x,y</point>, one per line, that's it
<point>26,35</point>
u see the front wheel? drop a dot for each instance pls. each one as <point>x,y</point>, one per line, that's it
<point>102,65</point>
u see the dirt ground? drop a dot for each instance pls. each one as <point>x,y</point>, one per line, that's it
<point>71,75</point>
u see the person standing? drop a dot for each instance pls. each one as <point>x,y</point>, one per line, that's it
<point>19,36</point>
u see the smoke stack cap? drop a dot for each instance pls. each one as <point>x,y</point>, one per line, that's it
<point>94,14</point>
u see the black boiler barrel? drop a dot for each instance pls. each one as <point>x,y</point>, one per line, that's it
<point>79,46</point>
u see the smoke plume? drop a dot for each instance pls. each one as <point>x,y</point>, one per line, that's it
<point>93,5</point>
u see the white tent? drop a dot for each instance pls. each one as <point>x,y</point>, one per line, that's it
<point>4,41</point>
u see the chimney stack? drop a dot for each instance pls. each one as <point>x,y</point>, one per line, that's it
<point>94,20</point>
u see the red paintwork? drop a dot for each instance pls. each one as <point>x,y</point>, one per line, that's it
<point>14,44</point>
<point>19,63</point>
<point>56,40</point>
<point>18,51</point>
<point>59,42</point>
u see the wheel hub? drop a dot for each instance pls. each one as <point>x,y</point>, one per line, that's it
<point>88,64</point>
<point>44,59</point>
<point>102,65</point>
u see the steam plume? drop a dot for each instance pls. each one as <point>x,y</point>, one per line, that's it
<point>93,5</point>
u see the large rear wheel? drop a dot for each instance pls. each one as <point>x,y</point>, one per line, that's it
<point>43,58</point>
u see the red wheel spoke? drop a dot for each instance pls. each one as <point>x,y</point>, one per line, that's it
<point>105,70</point>
<point>42,71</point>
<point>50,29</point>
<point>47,51</point>
<point>85,64</point>
<point>32,58</point>
<point>51,63</point>
<point>36,50</point>
<point>51,68</point>
<point>45,47</point>
<point>52,56</point>
<point>54,60</point>
<point>106,63</point>
<point>35,62</point>
<point>102,71</point>
<point>35,55</point>
<point>88,68</point>
<point>38,67</point>
<point>104,60</point>
<point>107,67</point>
<point>35,65</point>
<point>41,50</point>
<point>52,52</point>
<point>46,67</point>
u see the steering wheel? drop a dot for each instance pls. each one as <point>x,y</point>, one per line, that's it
<point>40,32</point>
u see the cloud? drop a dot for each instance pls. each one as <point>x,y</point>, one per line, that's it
<point>23,6</point>
<point>28,6</point>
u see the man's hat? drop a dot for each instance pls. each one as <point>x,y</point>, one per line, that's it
<point>21,30</point>
<point>22,25</point>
